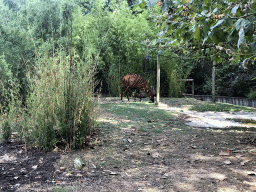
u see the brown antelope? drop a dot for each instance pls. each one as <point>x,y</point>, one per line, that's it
<point>135,81</point>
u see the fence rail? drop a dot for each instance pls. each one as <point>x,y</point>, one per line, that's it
<point>223,99</point>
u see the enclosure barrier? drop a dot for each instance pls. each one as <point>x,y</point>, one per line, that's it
<point>224,99</point>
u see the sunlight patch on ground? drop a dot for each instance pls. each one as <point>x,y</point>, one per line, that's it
<point>228,189</point>
<point>147,189</point>
<point>7,158</point>
<point>209,119</point>
<point>243,172</point>
<point>217,176</point>
<point>206,158</point>
<point>251,179</point>
<point>250,183</point>
<point>185,186</point>
<point>112,121</point>
<point>171,109</point>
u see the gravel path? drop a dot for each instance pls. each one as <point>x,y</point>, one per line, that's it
<point>218,119</point>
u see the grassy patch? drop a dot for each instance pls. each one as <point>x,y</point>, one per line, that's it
<point>137,111</point>
<point>143,130</point>
<point>209,106</point>
<point>157,131</point>
<point>236,129</point>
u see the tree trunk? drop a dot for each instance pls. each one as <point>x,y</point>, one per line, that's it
<point>213,82</point>
<point>158,82</point>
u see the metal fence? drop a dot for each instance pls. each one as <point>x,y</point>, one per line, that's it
<point>232,100</point>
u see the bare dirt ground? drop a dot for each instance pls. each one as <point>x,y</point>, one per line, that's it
<point>139,155</point>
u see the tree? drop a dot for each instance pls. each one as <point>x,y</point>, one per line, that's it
<point>221,30</point>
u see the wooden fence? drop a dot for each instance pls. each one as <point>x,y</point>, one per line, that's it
<point>232,100</point>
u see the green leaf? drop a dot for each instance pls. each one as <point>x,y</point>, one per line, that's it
<point>143,4</point>
<point>179,9</point>
<point>169,31</point>
<point>239,12</point>
<point>234,9</point>
<point>237,58</point>
<point>249,31</point>
<point>241,22</point>
<point>205,39</point>
<point>206,1</point>
<point>253,44</point>
<point>231,32</point>
<point>238,23</point>
<point>135,7</point>
<point>206,28</point>
<point>220,22</point>
<point>197,33</point>
<point>241,39</point>
<point>215,39</point>
<point>254,5</point>
<point>220,59</point>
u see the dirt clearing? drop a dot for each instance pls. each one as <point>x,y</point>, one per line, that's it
<point>140,147</point>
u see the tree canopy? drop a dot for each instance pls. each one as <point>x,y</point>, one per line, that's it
<point>214,26</point>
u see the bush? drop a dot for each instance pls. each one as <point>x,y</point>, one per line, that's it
<point>7,84</point>
<point>252,94</point>
<point>61,103</point>
<point>6,130</point>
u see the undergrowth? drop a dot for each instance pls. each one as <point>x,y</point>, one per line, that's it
<point>59,109</point>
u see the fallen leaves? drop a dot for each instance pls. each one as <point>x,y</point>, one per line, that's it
<point>155,155</point>
<point>243,162</point>
<point>224,153</point>
<point>34,167</point>
<point>227,162</point>
<point>165,176</point>
<point>113,173</point>
<point>238,156</point>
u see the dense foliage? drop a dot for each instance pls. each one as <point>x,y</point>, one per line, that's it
<point>55,54</point>
<point>46,87</point>
<point>220,31</point>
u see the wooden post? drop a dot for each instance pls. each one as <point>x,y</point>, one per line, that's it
<point>158,82</point>
<point>213,82</point>
<point>193,89</point>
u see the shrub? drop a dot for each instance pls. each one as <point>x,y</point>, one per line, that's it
<point>61,102</point>
<point>7,83</point>
<point>6,130</point>
<point>252,94</point>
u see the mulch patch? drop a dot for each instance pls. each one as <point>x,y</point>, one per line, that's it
<point>19,167</point>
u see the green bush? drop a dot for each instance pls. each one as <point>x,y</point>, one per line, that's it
<point>252,94</point>
<point>7,84</point>
<point>6,130</point>
<point>61,102</point>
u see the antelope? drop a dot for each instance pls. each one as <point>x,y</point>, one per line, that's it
<point>135,81</point>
